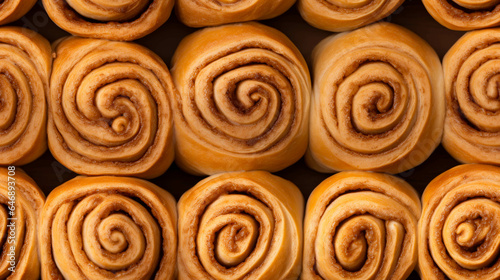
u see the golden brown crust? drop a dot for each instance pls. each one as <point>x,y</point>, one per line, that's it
<point>243,100</point>
<point>26,68</point>
<point>201,13</point>
<point>12,10</point>
<point>108,228</point>
<point>342,15</point>
<point>378,101</point>
<point>361,225</point>
<point>29,201</point>
<point>459,229</point>
<point>464,14</point>
<point>240,224</point>
<point>107,19</point>
<point>472,123</point>
<point>109,109</point>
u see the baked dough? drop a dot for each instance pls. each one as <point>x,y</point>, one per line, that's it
<point>344,15</point>
<point>109,109</point>
<point>24,80</point>
<point>123,20</point>
<point>12,10</point>
<point>27,206</point>
<point>240,225</point>
<point>361,225</point>
<point>378,101</point>
<point>201,13</point>
<point>458,230</point>
<point>243,101</point>
<point>108,228</point>
<point>464,14</point>
<point>472,123</point>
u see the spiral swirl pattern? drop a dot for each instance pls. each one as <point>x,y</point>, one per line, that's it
<point>378,101</point>
<point>25,62</point>
<point>110,111</point>
<point>235,225</point>
<point>21,203</point>
<point>361,225</point>
<point>108,228</point>
<point>201,13</point>
<point>465,14</point>
<point>244,100</point>
<point>459,225</point>
<point>344,15</point>
<point>123,20</point>
<point>472,126</point>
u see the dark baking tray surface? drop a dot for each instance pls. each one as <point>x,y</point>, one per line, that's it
<point>48,173</point>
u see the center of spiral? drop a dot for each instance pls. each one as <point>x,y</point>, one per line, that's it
<point>373,109</point>
<point>351,241</point>
<point>477,94</point>
<point>493,87</point>
<point>247,103</point>
<point>120,237</point>
<point>469,233</point>
<point>119,124</point>
<point>248,93</point>
<point>235,241</point>
<point>235,232</point>
<point>484,84</point>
